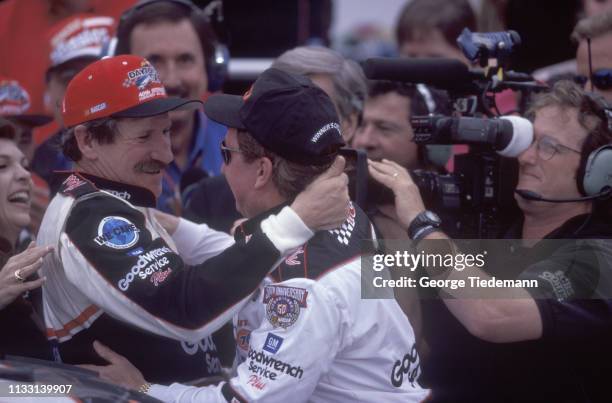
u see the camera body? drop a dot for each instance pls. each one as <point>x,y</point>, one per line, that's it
<point>478,197</point>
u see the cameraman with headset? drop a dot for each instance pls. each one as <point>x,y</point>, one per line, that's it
<point>177,38</point>
<point>551,344</point>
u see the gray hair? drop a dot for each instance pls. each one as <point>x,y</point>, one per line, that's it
<point>593,27</point>
<point>348,78</point>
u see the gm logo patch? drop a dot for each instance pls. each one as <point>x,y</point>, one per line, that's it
<point>117,233</point>
<point>273,343</point>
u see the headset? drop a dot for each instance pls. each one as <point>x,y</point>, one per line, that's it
<point>594,174</point>
<point>216,54</point>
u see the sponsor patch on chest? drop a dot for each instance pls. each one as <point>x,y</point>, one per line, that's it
<point>283,304</point>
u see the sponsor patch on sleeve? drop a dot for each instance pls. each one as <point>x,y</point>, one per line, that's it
<point>153,265</point>
<point>117,233</point>
<point>283,304</point>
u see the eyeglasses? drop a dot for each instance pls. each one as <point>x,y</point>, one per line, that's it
<point>547,148</point>
<point>226,152</point>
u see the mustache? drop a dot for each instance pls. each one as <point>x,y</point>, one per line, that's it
<point>150,166</point>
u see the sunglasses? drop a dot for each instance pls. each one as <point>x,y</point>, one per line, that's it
<point>226,152</point>
<point>601,79</point>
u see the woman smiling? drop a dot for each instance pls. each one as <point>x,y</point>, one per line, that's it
<point>22,331</point>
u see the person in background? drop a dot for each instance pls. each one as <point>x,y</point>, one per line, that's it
<point>24,50</point>
<point>20,312</point>
<point>386,133</point>
<point>429,28</point>
<point>341,79</point>
<point>75,42</point>
<point>16,107</point>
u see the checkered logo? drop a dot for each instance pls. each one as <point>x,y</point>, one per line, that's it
<point>343,234</point>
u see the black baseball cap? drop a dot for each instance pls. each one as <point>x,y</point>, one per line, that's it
<point>287,114</point>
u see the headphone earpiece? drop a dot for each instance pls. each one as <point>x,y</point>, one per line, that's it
<point>598,171</point>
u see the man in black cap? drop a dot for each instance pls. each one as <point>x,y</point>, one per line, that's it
<point>305,334</point>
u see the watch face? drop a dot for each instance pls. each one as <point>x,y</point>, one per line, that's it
<point>433,217</point>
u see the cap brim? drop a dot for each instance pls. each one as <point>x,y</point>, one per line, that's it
<point>31,120</point>
<point>225,109</point>
<point>157,107</point>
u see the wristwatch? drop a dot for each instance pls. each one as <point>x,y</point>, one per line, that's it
<point>423,224</point>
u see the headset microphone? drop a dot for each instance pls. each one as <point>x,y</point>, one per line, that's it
<point>596,179</point>
<point>529,195</point>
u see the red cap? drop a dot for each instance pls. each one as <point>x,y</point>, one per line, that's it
<point>79,36</point>
<point>122,86</point>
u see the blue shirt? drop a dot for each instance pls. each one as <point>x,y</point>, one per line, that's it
<point>205,154</point>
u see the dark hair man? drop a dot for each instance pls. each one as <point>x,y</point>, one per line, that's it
<point>176,37</point>
<point>117,275</point>
<point>555,333</point>
<point>306,334</point>
<point>385,131</point>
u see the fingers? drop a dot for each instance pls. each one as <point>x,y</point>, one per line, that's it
<point>30,269</point>
<point>236,224</point>
<point>106,353</point>
<point>385,166</point>
<point>395,174</point>
<point>335,169</point>
<point>30,285</point>
<point>28,256</point>
<point>386,180</point>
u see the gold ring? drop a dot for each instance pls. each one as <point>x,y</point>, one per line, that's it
<point>17,275</point>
